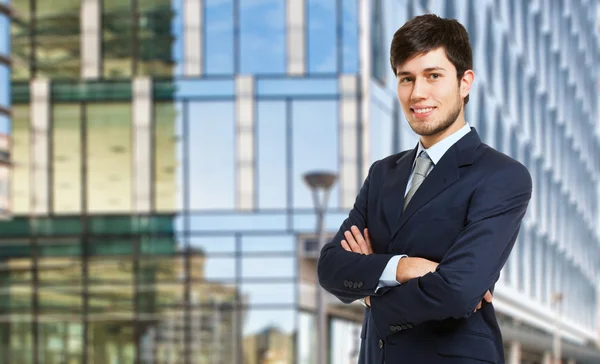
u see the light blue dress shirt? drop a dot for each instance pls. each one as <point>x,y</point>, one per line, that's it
<point>435,153</point>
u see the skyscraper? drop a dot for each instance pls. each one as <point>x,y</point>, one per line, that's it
<point>157,148</point>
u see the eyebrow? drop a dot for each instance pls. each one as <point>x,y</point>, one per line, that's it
<point>428,69</point>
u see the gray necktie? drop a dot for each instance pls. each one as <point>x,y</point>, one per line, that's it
<point>422,166</point>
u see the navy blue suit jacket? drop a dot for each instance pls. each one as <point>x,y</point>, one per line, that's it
<point>466,215</point>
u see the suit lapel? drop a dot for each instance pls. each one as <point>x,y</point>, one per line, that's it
<point>442,176</point>
<point>394,187</point>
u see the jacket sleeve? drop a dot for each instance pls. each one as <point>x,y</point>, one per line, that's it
<point>347,275</point>
<point>471,266</point>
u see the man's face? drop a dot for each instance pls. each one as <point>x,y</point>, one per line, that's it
<point>431,95</point>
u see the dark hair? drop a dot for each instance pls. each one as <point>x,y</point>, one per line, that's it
<point>427,32</point>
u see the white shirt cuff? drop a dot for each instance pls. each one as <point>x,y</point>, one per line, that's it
<point>388,277</point>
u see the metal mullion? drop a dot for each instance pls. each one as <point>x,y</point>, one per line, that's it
<point>84,232</point>
<point>186,223</point>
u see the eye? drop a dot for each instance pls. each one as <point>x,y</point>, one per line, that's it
<point>435,76</point>
<point>405,79</point>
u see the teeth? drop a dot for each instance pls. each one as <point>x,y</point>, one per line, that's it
<point>422,111</point>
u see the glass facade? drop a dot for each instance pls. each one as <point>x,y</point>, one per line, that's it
<point>159,214</point>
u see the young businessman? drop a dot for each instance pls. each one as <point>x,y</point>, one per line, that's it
<point>442,218</point>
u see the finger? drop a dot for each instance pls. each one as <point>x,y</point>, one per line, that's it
<point>488,297</point>
<point>478,307</point>
<point>346,246</point>
<point>352,243</point>
<point>368,240</point>
<point>360,240</point>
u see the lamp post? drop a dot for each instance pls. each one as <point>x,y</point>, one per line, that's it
<point>321,181</point>
<point>557,300</point>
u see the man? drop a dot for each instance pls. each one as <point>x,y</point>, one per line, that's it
<point>431,227</point>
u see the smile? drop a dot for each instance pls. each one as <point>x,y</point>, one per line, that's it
<point>423,111</point>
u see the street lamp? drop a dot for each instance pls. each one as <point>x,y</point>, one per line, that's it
<point>557,300</point>
<point>320,181</point>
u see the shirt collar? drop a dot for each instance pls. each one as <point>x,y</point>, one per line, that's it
<point>437,151</point>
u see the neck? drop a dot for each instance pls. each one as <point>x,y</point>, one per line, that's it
<point>431,140</point>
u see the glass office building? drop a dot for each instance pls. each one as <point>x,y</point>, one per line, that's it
<point>159,213</point>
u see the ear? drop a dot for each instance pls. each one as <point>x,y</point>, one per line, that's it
<point>466,82</point>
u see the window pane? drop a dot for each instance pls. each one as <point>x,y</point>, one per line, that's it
<point>269,336</point>
<point>156,37</point>
<point>262,36</point>
<point>21,158</point>
<point>61,340</point>
<point>268,267</point>
<point>322,39</point>
<point>161,269</point>
<point>213,244</point>
<point>382,131</point>
<point>219,36</point>
<point>110,271</point>
<point>315,146</point>
<point>59,271</point>
<point>116,38</point>
<point>111,340</point>
<point>16,345</point>
<point>20,39</point>
<point>271,244</point>
<point>5,82</point>
<point>345,340</point>
<point>57,50</point>
<point>66,158</point>
<point>269,293</point>
<point>212,268</point>
<point>350,36</point>
<point>168,157</point>
<point>211,155</point>
<point>109,157</point>
<point>4,35</point>
<point>272,155</point>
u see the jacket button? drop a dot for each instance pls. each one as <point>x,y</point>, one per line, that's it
<point>393,328</point>
<point>398,328</point>
<point>380,344</point>
<point>360,284</point>
<point>410,326</point>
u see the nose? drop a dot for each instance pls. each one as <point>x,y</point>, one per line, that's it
<point>420,90</point>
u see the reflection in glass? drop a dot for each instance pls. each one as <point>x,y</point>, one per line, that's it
<point>219,36</point>
<point>156,37</point>
<point>271,244</point>
<point>61,341</point>
<point>168,166</point>
<point>111,341</point>
<point>21,147</point>
<point>345,341</point>
<point>262,36</point>
<point>20,39</point>
<point>117,52</point>
<point>268,336</point>
<point>213,244</point>
<point>66,158</point>
<point>268,267</point>
<point>268,293</point>
<point>109,157</point>
<point>57,48</point>
<point>211,155</point>
<point>16,342</point>
<point>322,31</point>
<point>307,339</point>
<point>314,146</point>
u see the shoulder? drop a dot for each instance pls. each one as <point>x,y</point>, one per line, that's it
<point>494,164</point>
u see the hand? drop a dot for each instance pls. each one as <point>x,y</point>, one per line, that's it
<point>355,242</point>
<point>487,298</point>
<point>414,267</point>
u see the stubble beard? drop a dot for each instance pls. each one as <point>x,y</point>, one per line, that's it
<point>434,128</point>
